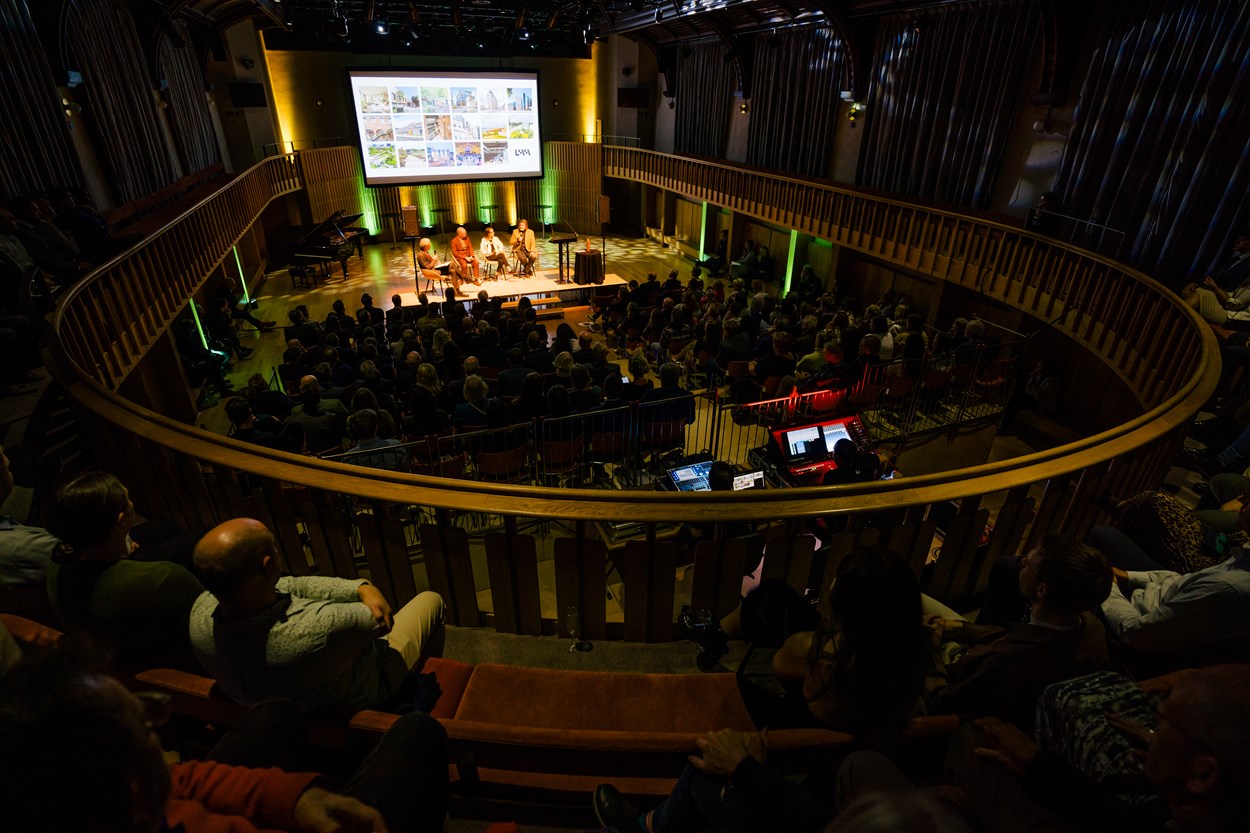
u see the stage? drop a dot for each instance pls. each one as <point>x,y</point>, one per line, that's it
<point>541,285</point>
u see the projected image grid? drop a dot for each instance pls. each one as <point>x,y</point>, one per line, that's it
<point>476,127</point>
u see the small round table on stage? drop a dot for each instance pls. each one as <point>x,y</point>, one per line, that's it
<point>588,267</point>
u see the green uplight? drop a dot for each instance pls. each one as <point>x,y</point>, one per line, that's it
<point>423,205</point>
<point>247,299</point>
<point>703,232</point>
<point>367,206</point>
<point>794,246</point>
<point>199,328</point>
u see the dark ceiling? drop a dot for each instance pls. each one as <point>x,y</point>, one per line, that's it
<point>520,27</point>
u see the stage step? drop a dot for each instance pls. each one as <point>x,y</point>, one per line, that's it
<point>548,306</point>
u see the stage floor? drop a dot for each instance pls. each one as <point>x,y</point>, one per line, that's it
<point>542,284</point>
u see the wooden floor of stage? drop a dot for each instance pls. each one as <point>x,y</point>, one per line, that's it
<point>543,283</point>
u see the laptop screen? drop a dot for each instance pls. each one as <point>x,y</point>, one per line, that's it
<point>807,441</point>
<point>691,478</point>
<point>750,480</point>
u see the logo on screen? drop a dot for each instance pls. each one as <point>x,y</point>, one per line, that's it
<point>521,152</point>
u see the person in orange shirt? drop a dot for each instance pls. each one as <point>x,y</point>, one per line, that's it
<point>466,259</point>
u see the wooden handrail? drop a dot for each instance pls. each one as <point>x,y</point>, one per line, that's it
<point>1119,320</point>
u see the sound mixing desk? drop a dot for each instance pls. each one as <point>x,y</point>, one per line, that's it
<point>801,455</point>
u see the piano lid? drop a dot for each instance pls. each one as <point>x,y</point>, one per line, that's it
<point>326,227</point>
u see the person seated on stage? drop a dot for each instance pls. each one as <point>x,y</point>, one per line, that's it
<point>493,249</point>
<point>315,641</point>
<point>525,247</point>
<point>427,263</point>
<point>462,253</point>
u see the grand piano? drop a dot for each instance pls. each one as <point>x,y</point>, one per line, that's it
<point>332,239</point>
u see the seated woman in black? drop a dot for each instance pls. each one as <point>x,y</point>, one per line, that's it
<point>861,671</point>
<point>639,384</point>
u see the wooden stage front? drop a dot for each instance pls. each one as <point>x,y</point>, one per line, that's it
<point>541,285</point>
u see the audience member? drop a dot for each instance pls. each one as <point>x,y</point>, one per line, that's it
<point>98,583</point>
<point>862,671</point>
<point>1196,756</point>
<point>371,450</point>
<point>1152,610</point>
<point>322,420</point>
<point>25,553</point>
<point>315,641</point>
<point>989,671</point>
<point>64,725</point>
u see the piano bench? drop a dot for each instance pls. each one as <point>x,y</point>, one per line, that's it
<point>302,276</point>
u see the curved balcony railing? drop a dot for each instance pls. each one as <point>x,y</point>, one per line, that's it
<point>339,519</point>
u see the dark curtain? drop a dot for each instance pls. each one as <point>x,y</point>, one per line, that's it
<point>705,92</point>
<point>794,101</point>
<point>1160,145</point>
<point>37,152</point>
<point>104,46</point>
<point>946,84</point>
<point>188,106</point>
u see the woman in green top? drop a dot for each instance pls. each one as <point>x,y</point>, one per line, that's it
<point>139,609</point>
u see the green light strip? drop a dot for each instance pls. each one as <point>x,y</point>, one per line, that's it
<point>794,246</point>
<point>703,232</point>
<point>199,328</point>
<point>247,299</point>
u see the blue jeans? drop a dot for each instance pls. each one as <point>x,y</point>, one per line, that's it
<point>699,803</point>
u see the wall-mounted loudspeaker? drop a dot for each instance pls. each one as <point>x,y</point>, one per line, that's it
<point>605,209</point>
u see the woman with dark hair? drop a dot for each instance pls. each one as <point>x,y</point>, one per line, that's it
<point>98,583</point>
<point>365,399</point>
<point>429,406</point>
<point>565,339</point>
<point>862,671</point>
<point>532,402</point>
